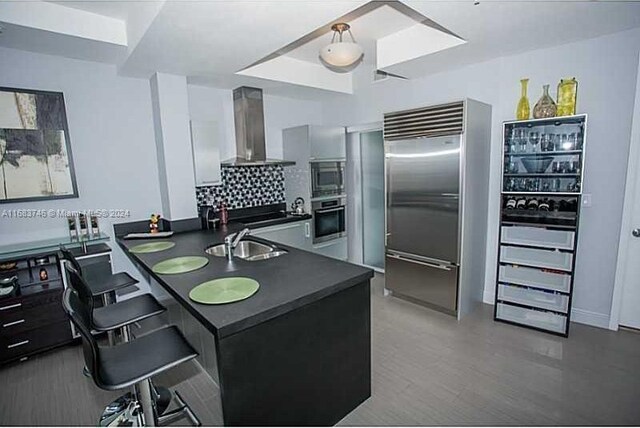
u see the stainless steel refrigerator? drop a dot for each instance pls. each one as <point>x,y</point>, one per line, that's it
<point>436,186</point>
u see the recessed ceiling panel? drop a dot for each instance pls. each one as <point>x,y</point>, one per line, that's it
<point>304,73</point>
<point>411,43</point>
<point>388,31</point>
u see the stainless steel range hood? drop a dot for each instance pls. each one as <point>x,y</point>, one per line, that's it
<point>249,121</point>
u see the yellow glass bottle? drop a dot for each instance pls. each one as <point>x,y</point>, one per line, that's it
<point>523,111</point>
<point>567,94</point>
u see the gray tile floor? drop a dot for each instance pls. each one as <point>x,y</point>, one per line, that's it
<point>428,369</point>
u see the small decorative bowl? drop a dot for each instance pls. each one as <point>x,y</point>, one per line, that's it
<point>537,165</point>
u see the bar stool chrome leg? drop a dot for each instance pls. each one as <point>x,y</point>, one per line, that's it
<point>143,390</point>
<point>108,299</point>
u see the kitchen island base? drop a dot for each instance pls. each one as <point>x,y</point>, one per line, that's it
<point>310,366</point>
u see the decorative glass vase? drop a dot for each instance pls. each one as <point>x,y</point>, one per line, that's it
<point>545,107</point>
<point>567,94</point>
<point>522,113</point>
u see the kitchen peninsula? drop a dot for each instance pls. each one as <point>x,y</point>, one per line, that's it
<point>298,352</point>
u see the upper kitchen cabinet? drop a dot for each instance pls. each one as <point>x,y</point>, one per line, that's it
<point>327,142</point>
<point>206,152</point>
<point>310,142</point>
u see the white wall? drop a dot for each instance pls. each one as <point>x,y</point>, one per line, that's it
<point>170,105</point>
<point>279,113</point>
<point>606,70</point>
<point>112,140</point>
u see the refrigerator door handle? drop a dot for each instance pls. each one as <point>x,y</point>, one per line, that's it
<point>433,265</point>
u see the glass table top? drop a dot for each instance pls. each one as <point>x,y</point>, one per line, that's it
<point>51,244</point>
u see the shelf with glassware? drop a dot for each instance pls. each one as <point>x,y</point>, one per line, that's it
<point>540,212</point>
<point>544,155</point>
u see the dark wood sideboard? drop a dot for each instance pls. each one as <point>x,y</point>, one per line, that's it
<point>32,319</point>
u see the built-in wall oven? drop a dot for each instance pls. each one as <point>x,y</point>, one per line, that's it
<point>329,219</point>
<point>327,178</point>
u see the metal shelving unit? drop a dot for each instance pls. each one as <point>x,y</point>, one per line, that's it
<point>541,197</point>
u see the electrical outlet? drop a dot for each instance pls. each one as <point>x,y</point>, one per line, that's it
<point>586,200</point>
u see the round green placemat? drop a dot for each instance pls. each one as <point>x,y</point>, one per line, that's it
<point>152,247</point>
<point>224,290</point>
<point>180,265</point>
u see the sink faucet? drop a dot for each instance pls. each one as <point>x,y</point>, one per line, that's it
<point>232,241</point>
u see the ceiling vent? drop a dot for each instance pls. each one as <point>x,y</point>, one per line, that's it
<point>379,76</point>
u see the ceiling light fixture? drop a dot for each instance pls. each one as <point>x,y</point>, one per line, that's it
<point>339,55</point>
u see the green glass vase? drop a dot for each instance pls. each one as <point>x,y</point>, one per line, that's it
<point>523,111</point>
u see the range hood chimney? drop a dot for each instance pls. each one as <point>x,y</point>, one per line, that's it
<point>248,112</point>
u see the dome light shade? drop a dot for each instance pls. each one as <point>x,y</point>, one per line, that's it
<point>341,56</point>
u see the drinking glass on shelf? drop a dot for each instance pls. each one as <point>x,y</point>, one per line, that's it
<point>574,168</point>
<point>513,167</point>
<point>513,141</point>
<point>544,142</point>
<point>511,184</point>
<point>523,140</point>
<point>555,185</point>
<point>534,139</point>
<point>555,167</point>
<point>580,141</point>
<point>512,135</point>
<point>545,186</point>
<point>565,143</point>
<point>572,139</point>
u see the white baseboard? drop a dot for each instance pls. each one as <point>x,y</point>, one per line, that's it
<point>594,319</point>
<point>488,297</point>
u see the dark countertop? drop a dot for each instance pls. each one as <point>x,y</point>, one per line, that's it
<point>286,283</point>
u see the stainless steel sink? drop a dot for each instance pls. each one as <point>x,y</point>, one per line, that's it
<point>247,250</point>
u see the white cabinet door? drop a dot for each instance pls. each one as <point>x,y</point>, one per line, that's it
<point>206,152</point>
<point>297,235</point>
<point>327,142</point>
<point>336,249</point>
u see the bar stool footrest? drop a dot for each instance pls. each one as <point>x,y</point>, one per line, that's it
<point>182,411</point>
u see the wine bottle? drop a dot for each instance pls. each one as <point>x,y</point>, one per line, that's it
<point>544,205</point>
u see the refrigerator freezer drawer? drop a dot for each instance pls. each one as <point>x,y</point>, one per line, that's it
<point>535,298</point>
<point>537,237</point>
<point>535,257</point>
<point>434,285</point>
<point>540,319</point>
<point>535,278</point>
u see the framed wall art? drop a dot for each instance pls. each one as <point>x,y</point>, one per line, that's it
<point>35,149</point>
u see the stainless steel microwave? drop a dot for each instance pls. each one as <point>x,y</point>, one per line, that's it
<point>327,178</point>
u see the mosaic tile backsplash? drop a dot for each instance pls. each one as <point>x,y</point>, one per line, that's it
<point>245,186</point>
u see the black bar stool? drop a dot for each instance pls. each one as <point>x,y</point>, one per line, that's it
<point>119,316</point>
<point>132,364</point>
<point>103,285</point>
